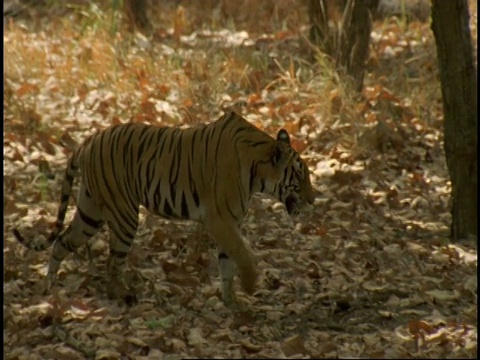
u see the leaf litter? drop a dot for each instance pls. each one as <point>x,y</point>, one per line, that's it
<point>368,273</point>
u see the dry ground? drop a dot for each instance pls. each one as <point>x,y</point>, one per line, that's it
<point>369,273</point>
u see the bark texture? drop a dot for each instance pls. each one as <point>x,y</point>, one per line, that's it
<point>458,77</point>
<point>341,28</point>
<point>136,15</point>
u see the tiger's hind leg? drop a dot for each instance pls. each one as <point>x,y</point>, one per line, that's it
<point>121,238</point>
<point>88,219</point>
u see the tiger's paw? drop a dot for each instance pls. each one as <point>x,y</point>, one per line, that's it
<point>228,295</point>
<point>118,290</point>
<point>248,278</point>
<point>233,304</point>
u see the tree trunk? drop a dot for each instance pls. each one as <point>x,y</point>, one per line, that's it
<point>136,14</point>
<point>458,77</point>
<point>325,19</point>
<point>341,28</point>
<point>356,39</point>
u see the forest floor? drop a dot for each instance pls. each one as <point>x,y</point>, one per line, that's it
<point>368,273</point>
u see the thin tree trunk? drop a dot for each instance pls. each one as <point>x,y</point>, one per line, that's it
<point>325,20</point>
<point>341,28</point>
<point>136,14</point>
<point>458,77</point>
<point>356,39</point>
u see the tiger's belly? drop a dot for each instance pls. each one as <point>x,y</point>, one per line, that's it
<point>177,213</point>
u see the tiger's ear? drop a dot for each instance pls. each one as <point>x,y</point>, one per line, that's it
<point>283,136</point>
<point>279,149</point>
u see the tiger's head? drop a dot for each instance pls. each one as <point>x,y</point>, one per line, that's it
<point>288,177</point>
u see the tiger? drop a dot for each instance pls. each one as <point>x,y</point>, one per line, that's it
<point>207,173</point>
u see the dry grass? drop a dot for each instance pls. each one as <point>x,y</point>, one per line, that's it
<point>69,56</point>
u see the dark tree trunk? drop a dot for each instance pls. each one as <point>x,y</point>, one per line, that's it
<point>458,78</point>
<point>136,14</point>
<point>341,28</point>
<point>356,40</point>
<point>325,19</point>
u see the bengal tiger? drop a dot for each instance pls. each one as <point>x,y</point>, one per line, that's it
<point>206,173</point>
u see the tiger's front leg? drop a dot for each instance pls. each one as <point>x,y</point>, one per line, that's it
<point>233,251</point>
<point>227,273</point>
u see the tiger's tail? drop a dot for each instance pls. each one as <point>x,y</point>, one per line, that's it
<point>70,173</point>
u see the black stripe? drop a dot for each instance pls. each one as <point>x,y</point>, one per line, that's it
<point>178,158</point>
<point>219,140</point>
<point>87,233</point>
<point>240,194</point>
<point>191,182</point>
<point>257,143</point>
<point>252,177</point>
<point>142,139</point>
<point>173,190</point>
<point>230,211</point>
<point>185,213</point>
<point>231,116</point>
<point>196,198</point>
<point>201,168</point>
<point>173,136</point>
<point>222,255</point>
<point>167,210</point>
<point>123,235</point>
<point>157,199</point>
<point>160,150</point>
<point>88,220</point>
<point>64,198</point>
<point>68,177</point>
<point>145,202</point>
<point>116,212</point>
<point>128,139</point>
<point>114,149</point>
<point>239,130</point>
<point>207,140</point>
<point>161,139</point>
<point>66,245</point>
<point>118,254</point>
<point>192,145</point>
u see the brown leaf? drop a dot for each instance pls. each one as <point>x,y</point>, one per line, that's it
<point>293,345</point>
<point>169,266</point>
<point>195,337</point>
<point>292,127</point>
<point>249,347</point>
<point>182,277</point>
<point>298,145</point>
<point>416,326</point>
<point>26,88</point>
<point>136,341</point>
<point>107,354</point>
<point>326,347</point>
